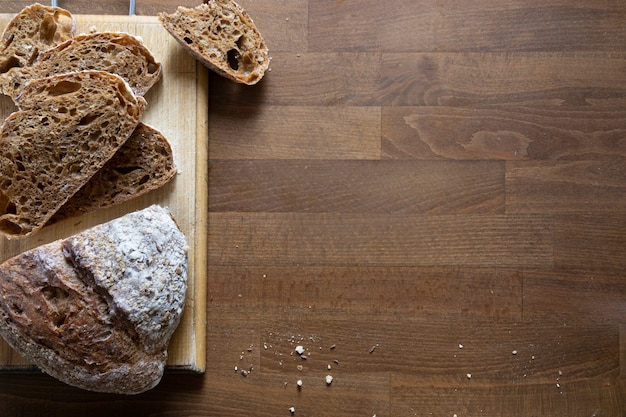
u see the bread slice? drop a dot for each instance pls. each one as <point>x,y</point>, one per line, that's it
<point>97,310</point>
<point>221,35</point>
<point>144,163</point>
<point>115,52</point>
<point>65,130</point>
<point>33,30</point>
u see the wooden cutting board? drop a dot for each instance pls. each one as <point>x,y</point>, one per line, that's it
<point>178,107</point>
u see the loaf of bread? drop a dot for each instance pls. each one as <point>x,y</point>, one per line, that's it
<point>144,163</point>
<point>32,31</point>
<point>114,52</point>
<point>221,35</point>
<point>65,130</point>
<point>97,310</point>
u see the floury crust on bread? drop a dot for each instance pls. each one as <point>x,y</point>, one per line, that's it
<point>221,35</point>
<point>65,130</point>
<point>115,52</point>
<point>97,310</point>
<point>33,30</point>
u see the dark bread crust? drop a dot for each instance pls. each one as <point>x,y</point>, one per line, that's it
<point>115,52</point>
<point>33,30</point>
<point>221,35</point>
<point>65,130</point>
<point>144,163</point>
<point>61,310</point>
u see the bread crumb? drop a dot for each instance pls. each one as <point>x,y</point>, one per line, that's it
<point>514,352</point>
<point>299,349</point>
<point>292,410</point>
<point>299,383</point>
<point>469,376</point>
<point>329,379</point>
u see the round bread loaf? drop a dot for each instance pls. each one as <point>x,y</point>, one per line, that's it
<point>97,310</point>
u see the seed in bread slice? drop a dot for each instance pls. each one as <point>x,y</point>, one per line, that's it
<point>115,52</point>
<point>221,35</point>
<point>97,310</point>
<point>65,130</point>
<point>144,163</point>
<point>33,30</point>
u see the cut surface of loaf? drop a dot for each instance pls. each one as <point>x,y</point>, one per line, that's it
<point>221,35</point>
<point>65,130</point>
<point>33,30</point>
<point>97,310</point>
<point>115,52</point>
<point>144,163</point>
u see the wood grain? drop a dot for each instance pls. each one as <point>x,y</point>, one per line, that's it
<point>450,26</point>
<point>409,177</point>
<point>389,187</point>
<point>392,240</point>
<point>510,133</point>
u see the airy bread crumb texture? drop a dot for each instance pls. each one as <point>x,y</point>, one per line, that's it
<point>33,30</point>
<point>114,52</point>
<point>144,163</point>
<point>66,128</point>
<point>222,36</point>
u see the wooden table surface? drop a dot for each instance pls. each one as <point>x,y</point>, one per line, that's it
<point>428,196</point>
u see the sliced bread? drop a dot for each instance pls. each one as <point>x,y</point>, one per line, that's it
<point>97,310</point>
<point>65,130</point>
<point>118,53</point>
<point>33,30</point>
<point>144,163</point>
<point>221,35</point>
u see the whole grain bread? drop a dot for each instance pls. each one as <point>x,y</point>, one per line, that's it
<point>34,29</point>
<point>65,130</point>
<point>144,163</point>
<point>221,35</point>
<point>115,52</point>
<point>97,310</point>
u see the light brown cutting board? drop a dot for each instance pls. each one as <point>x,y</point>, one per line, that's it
<point>178,107</point>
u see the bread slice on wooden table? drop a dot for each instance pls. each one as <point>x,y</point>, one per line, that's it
<point>97,310</point>
<point>115,52</point>
<point>221,35</point>
<point>65,130</point>
<point>33,30</point>
<point>144,163</point>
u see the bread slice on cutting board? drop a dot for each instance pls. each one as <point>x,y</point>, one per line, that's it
<point>221,35</point>
<point>65,130</point>
<point>33,30</point>
<point>144,163</point>
<point>97,310</point>
<point>115,52</point>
